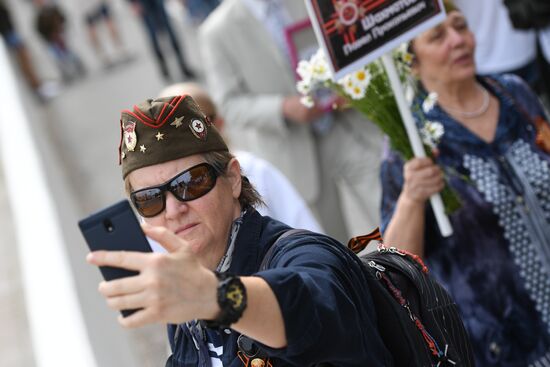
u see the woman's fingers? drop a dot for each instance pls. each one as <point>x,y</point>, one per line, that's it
<point>119,259</point>
<point>166,238</point>
<point>128,301</point>
<point>418,163</point>
<point>138,318</point>
<point>121,286</point>
<point>431,189</point>
<point>424,175</point>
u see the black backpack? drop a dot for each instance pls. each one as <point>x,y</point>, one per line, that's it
<point>417,319</point>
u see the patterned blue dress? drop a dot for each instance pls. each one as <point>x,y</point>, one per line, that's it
<point>496,265</point>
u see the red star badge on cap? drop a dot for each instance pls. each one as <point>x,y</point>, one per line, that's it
<point>198,128</point>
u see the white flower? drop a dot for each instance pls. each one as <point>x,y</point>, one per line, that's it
<point>320,68</point>
<point>303,87</point>
<point>356,91</point>
<point>307,101</point>
<point>362,77</point>
<point>431,133</point>
<point>305,70</point>
<point>352,88</point>
<point>319,55</point>
<point>429,102</point>
<point>403,53</point>
<point>346,81</point>
<point>403,47</point>
<point>343,81</point>
<point>315,71</point>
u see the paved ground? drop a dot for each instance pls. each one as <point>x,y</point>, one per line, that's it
<point>77,135</point>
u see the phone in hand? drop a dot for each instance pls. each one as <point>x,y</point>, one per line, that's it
<point>114,228</point>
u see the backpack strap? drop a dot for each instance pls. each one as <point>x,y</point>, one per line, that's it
<point>499,87</point>
<point>542,128</point>
<point>269,252</point>
<point>248,350</point>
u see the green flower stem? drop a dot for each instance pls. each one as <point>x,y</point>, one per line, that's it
<point>380,107</point>
<point>451,201</point>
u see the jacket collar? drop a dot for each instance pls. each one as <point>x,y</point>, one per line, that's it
<point>246,253</point>
<point>255,236</point>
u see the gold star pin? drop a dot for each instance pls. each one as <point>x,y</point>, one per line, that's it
<point>142,148</point>
<point>159,136</point>
<point>178,121</point>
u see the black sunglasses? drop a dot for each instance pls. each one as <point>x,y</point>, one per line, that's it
<point>188,185</point>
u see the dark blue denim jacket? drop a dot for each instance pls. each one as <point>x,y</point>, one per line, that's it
<point>496,264</point>
<point>321,289</point>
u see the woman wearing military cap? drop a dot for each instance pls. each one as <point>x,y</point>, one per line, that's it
<point>211,287</point>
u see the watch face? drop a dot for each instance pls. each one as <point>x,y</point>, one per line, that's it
<point>235,294</point>
<point>231,299</point>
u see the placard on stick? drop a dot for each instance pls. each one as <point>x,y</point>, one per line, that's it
<point>354,33</point>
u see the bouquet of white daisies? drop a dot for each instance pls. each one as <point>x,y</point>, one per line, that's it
<point>368,90</point>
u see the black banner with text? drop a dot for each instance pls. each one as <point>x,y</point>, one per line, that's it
<point>353,29</point>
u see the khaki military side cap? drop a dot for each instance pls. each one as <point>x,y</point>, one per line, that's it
<point>163,129</point>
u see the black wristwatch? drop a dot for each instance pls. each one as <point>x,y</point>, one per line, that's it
<point>231,299</point>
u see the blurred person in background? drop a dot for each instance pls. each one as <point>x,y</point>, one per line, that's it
<point>282,201</point>
<point>495,152</point>
<point>332,158</point>
<point>157,24</point>
<point>44,90</point>
<point>198,10</point>
<point>214,287</point>
<point>500,47</point>
<point>534,15</point>
<point>50,24</point>
<point>95,13</point>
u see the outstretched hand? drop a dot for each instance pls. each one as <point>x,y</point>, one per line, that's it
<point>170,288</point>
